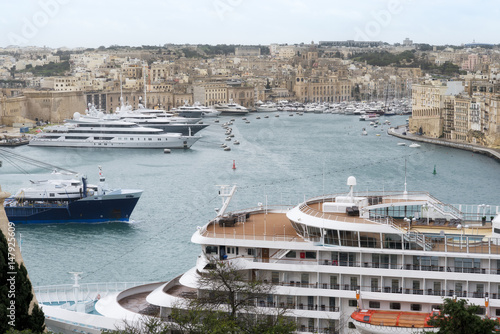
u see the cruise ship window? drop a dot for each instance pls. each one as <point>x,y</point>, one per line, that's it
<point>437,288</point>
<point>416,288</point>
<point>310,255</point>
<point>333,282</point>
<point>211,249</point>
<point>373,304</point>
<point>416,307</point>
<point>395,306</point>
<point>304,278</point>
<point>481,311</point>
<point>291,254</point>
<point>497,312</point>
<point>275,277</point>
<point>353,302</point>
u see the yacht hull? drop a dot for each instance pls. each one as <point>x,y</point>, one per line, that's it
<point>94,209</point>
<point>233,112</point>
<point>153,142</point>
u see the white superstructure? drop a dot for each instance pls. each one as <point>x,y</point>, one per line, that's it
<point>231,108</point>
<point>83,132</point>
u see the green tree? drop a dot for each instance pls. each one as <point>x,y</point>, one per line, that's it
<point>456,317</point>
<point>16,295</point>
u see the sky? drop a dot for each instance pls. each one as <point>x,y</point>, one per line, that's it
<point>93,23</point>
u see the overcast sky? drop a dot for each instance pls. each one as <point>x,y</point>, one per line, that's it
<point>92,23</point>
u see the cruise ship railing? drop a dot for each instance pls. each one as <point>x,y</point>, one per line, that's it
<point>380,289</point>
<point>410,236</point>
<point>477,212</point>
<point>56,294</point>
<point>446,210</point>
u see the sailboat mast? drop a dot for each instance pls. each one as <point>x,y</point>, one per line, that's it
<point>145,88</point>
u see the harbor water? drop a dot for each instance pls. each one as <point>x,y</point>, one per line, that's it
<point>281,160</point>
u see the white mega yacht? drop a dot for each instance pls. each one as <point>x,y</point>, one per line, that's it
<point>370,262</point>
<point>197,109</point>
<point>231,108</point>
<point>83,132</point>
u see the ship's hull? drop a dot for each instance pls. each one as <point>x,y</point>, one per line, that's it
<point>233,112</point>
<point>95,209</point>
<point>152,142</point>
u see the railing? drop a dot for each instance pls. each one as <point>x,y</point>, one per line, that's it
<point>87,291</point>
<point>279,254</point>
<point>380,289</point>
<point>476,212</point>
<point>445,209</point>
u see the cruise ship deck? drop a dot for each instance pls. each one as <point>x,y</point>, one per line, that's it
<point>257,224</point>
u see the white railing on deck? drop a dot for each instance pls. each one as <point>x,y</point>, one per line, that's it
<point>87,291</point>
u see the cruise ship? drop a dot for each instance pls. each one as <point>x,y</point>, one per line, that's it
<point>352,262</point>
<point>99,133</point>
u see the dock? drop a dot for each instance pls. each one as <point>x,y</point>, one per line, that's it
<point>398,132</point>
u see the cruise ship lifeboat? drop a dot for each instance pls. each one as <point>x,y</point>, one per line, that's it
<point>383,322</point>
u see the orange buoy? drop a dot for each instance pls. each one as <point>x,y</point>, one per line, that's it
<point>234,165</point>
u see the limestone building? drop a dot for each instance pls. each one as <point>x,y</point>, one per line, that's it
<point>322,86</point>
<point>428,106</point>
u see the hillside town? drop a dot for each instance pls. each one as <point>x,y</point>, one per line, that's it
<point>454,90</point>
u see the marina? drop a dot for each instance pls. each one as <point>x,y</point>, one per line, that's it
<point>279,161</point>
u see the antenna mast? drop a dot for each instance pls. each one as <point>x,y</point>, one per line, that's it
<point>145,89</point>
<point>405,193</point>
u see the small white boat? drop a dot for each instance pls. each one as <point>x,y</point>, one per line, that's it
<point>228,138</point>
<point>227,148</point>
<point>247,121</point>
<point>267,116</point>
<point>236,142</point>
<point>276,115</point>
<point>258,117</point>
<point>401,144</point>
<point>414,145</point>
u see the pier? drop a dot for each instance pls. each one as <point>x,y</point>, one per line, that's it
<point>398,132</point>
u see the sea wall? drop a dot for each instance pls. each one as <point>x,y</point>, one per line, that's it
<point>474,148</point>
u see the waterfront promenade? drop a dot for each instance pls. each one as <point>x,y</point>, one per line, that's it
<point>398,132</point>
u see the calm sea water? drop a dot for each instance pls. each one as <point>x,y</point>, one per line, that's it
<point>282,159</point>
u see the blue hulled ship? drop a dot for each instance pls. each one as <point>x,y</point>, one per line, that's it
<point>70,200</point>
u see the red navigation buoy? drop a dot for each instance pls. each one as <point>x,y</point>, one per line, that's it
<point>234,165</point>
